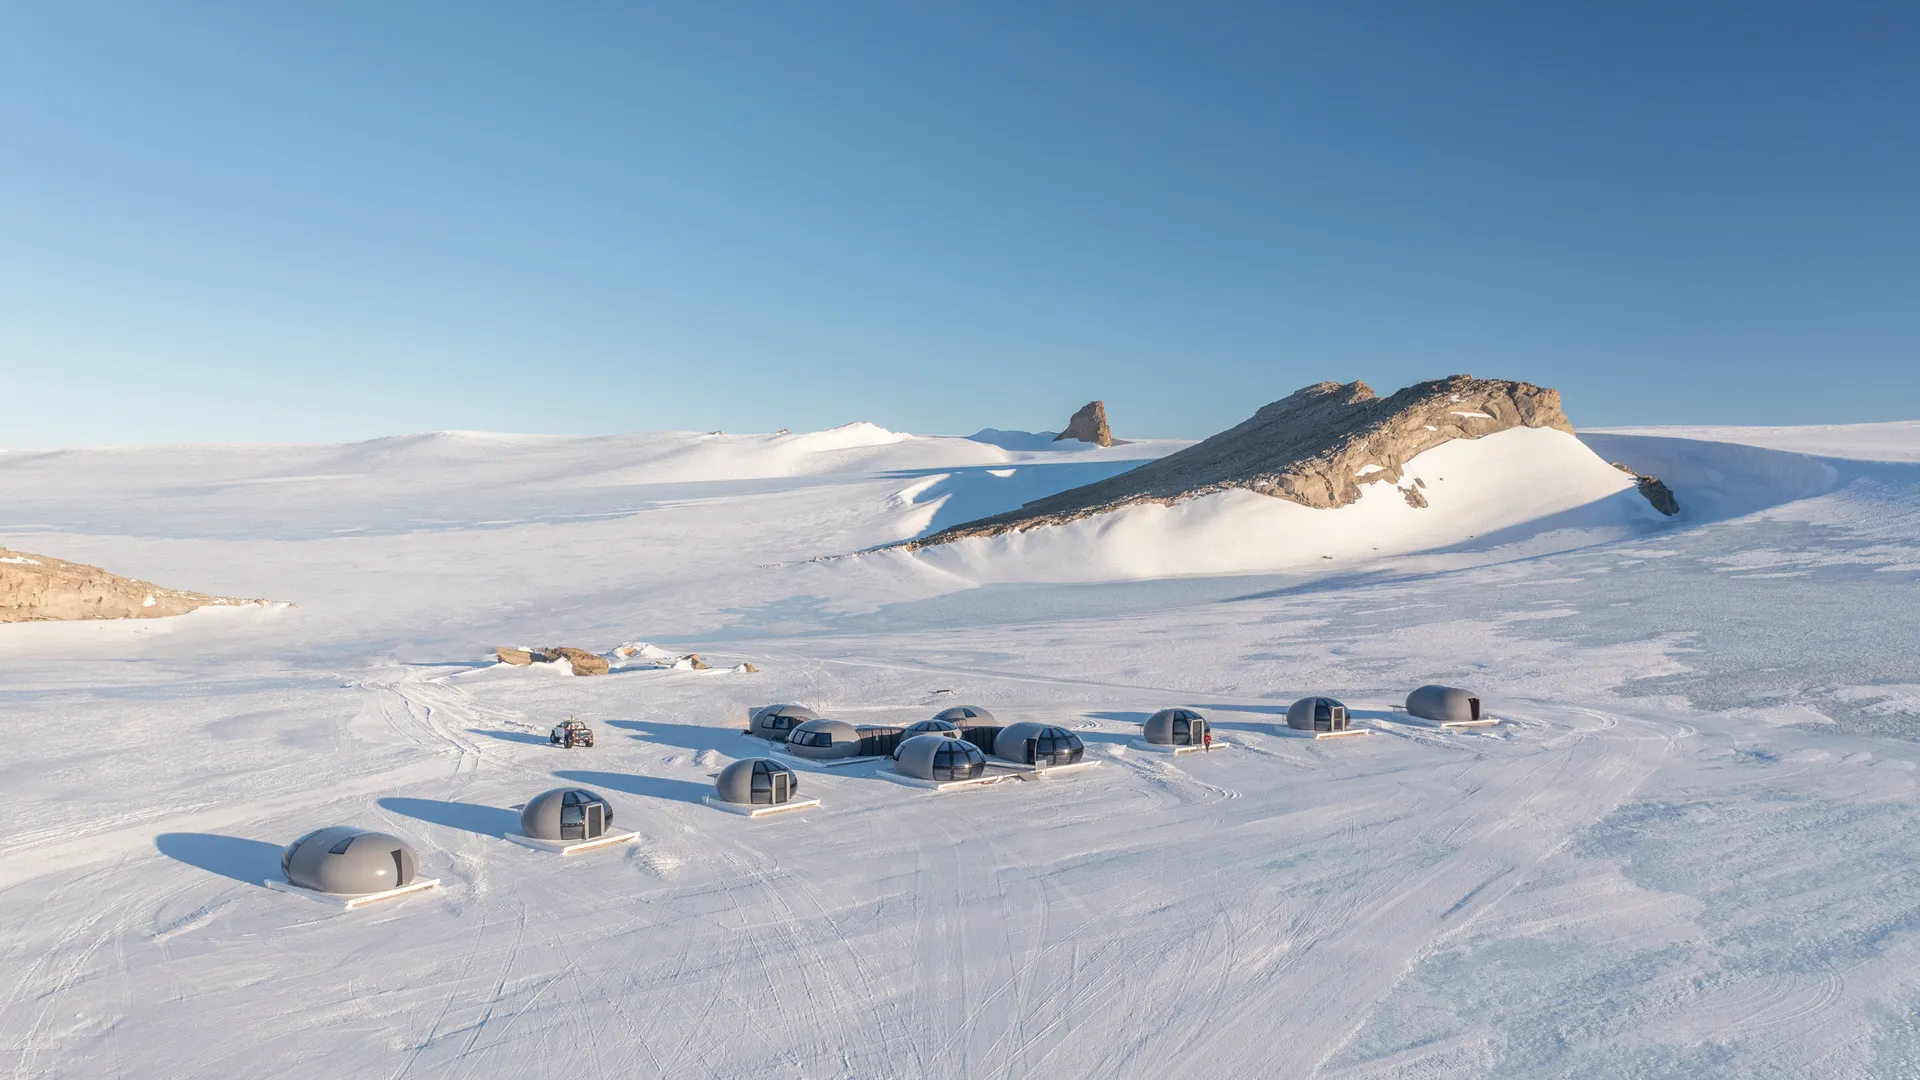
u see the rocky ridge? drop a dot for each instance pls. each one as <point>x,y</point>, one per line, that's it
<point>40,588</point>
<point>1318,447</point>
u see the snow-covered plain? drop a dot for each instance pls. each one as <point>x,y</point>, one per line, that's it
<point>1691,849</point>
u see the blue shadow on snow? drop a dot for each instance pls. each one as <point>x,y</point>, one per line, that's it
<point>250,861</point>
<point>653,787</point>
<point>470,817</point>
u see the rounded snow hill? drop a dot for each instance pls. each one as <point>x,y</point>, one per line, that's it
<point>1512,486</point>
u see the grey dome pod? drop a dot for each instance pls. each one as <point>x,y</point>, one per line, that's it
<point>966,716</point>
<point>927,727</point>
<point>1317,714</point>
<point>347,861</point>
<point>775,721</point>
<point>1175,727</point>
<point>761,781</point>
<point>938,757</point>
<point>566,814</point>
<point>822,739</point>
<point>1444,704</point>
<point>1032,743</point>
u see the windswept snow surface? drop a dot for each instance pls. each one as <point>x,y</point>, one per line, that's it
<point>1688,850</point>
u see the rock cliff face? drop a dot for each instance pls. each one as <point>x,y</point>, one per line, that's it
<point>37,588</point>
<point>1089,425</point>
<point>1316,447</point>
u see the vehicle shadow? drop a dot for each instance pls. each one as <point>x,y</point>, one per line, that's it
<point>470,817</point>
<point>514,736</point>
<point>653,787</point>
<point>251,861</point>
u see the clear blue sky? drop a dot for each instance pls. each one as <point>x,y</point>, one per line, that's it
<point>334,221</point>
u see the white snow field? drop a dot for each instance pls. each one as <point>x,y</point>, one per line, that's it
<point>1690,849</point>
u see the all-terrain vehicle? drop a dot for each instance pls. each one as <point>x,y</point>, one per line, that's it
<point>571,733</point>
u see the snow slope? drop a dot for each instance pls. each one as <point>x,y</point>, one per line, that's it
<point>1688,850</point>
<point>1538,478</point>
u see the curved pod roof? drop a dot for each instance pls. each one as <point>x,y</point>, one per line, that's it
<point>823,739</point>
<point>1444,704</point>
<point>757,780</point>
<point>566,814</point>
<point>1317,714</point>
<point>966,716</point>
<point>1051,745</point>
<point>775,721</point>
<point>347,861</point>
<point>937,757</point>
<point>1175,727</point>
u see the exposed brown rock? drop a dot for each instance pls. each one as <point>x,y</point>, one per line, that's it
<point>1089,425</point>
<point>516,657</point>
<point>582,661</point>
<point>1316,447</point>
<point>694,659</point>
<point>35,588</point>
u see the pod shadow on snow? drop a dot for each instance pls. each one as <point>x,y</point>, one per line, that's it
<point>514,736</point>
<point>684,736</point>
<point>1264,710</point>
<point>653,787</point>
<point>249,861</point>
<point>471,817</point>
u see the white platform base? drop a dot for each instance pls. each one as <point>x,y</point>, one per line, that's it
<point>822,763</point>
<point>1349,733</point>
<point>569,847</point>
<point>1029,772</point>
<point>948,785</point>
<point>760,809</point>
<point>362,900</point>
<point>1156,748</point>
<point>1482,722</point>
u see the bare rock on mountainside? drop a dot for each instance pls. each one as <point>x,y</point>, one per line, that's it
<point>1089,425</point>
<point>517,657</point>
<point>37,588</point>
<point>1316,447</point>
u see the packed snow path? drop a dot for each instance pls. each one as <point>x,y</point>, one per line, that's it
<point>1687,850</point>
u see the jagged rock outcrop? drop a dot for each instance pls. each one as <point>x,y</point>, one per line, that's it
<point>1089,425</point>
<point>36,588</point>
<point>1655,489</point>
<point>1317,447</point>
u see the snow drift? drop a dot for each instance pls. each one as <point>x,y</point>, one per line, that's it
<point>1499,484</point>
